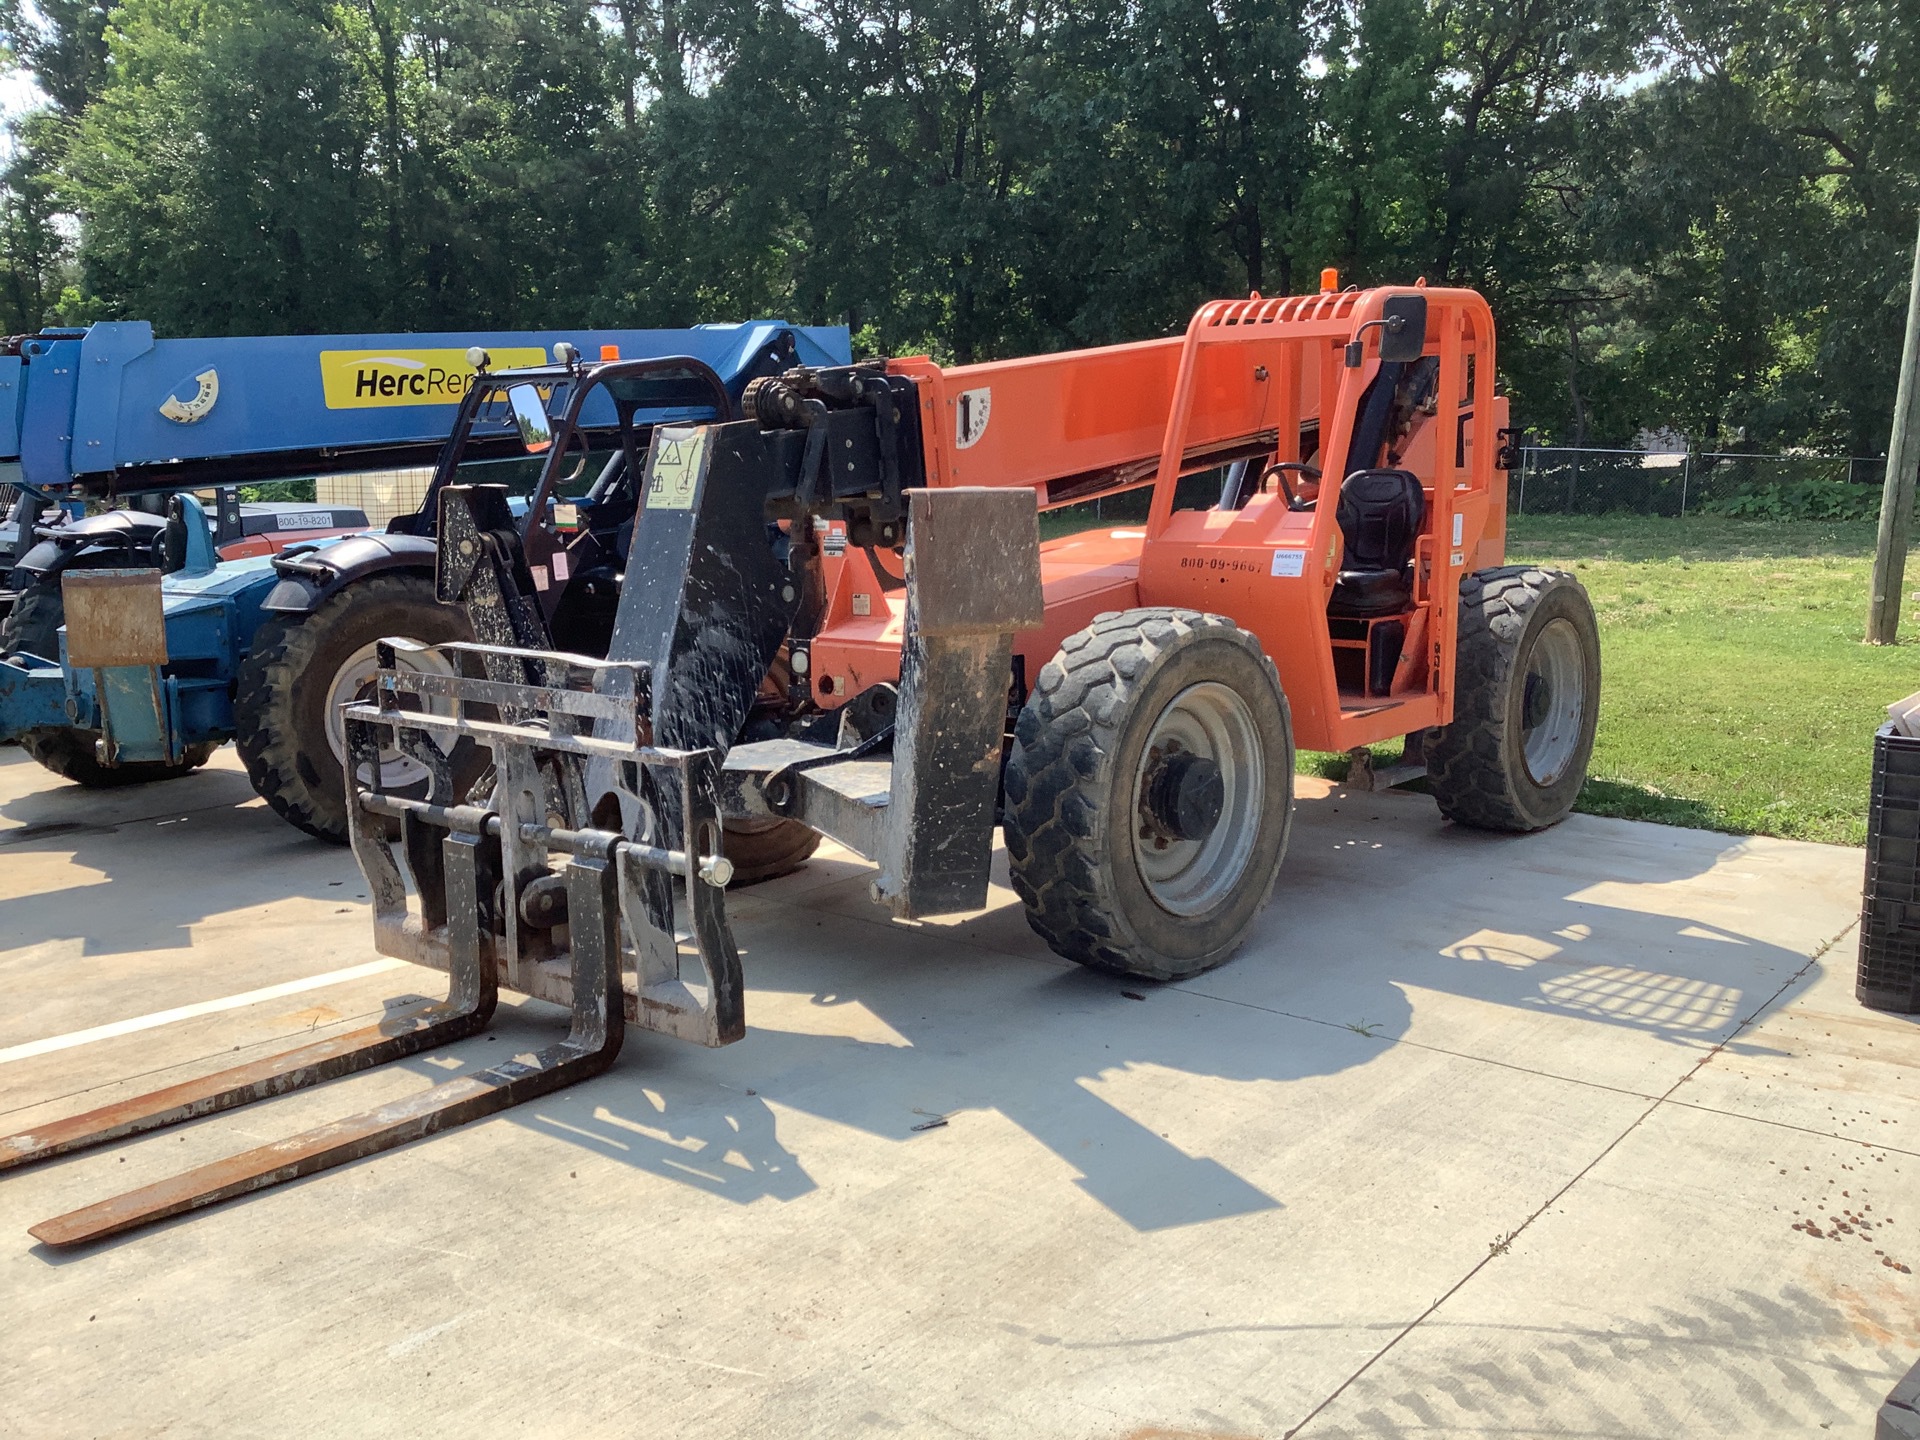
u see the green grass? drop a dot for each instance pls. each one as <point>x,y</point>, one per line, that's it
<point>1736,694</point>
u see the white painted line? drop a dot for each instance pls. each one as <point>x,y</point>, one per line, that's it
<point>187,1012</point>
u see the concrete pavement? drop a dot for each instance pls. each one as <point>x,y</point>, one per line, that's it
<point>1479,1136</point>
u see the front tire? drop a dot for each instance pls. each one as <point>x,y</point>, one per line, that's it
<point>303,667</point>
<point>1149,794</point>
<point>1526,701</point>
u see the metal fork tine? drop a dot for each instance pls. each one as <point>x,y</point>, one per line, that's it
<point>472,994</point>
<point>591,1045</point>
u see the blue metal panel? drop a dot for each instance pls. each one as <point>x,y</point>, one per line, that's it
<point>155,713</point>
<point>46,414</point>
<point>272,397</point>
<point>133,704</point>
<point>33,696</point>
<point>12,391</point>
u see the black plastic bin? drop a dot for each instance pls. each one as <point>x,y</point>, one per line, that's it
<point>1889,976</point>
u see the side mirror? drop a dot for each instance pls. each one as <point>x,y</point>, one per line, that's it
<point>536,430</point>
<point>1403,333</point>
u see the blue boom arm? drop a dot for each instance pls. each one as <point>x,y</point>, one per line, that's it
<point>111,410</point>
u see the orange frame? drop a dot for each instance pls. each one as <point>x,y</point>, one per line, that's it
<point>1249,376</point>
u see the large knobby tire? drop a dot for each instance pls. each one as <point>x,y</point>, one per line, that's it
<point>1128,853</point>
<point>32,627</point>
<point>300,666</point>
<point>72,755</point>
<point>1526,700</point>
<point>763,849</point>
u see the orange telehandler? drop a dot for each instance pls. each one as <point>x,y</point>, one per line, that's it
<point>837,618</point>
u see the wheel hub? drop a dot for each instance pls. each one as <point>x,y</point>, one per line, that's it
<point>1198,796</point>
<point>1553,702</point>
<point>353,683</point>
<point>1536,702</point>
<point>1185,794</point>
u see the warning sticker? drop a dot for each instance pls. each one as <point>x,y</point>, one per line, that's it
<point>673,471</point>
<point>1289,562</point>
<point>970,414</point>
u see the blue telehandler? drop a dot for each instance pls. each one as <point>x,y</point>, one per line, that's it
<point>157,666</point>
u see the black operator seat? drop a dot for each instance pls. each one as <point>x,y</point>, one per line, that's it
<point>1380,516</point>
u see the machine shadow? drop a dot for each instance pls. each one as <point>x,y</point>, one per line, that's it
<point>889,1028</point>
<point>883,1027</point>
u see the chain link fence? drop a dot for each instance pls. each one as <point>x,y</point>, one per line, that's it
<point>1555,480</point>
<point>383,494</point>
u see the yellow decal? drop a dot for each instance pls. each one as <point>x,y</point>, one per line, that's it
<point>673,470</point>
<point>367,379</point>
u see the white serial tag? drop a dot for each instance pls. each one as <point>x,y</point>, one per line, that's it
<point>1289,562</point>
<point>562,566</point>
<point>539,576</point>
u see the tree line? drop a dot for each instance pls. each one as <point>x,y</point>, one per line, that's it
<point>1688,214</point>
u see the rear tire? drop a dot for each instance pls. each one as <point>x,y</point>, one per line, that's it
<point>1526,701</point>
<point>71,755</point>
<point>32,627</point>
<point>299,664</point>
<point>1109,793</point>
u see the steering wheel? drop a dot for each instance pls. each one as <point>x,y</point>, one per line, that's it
<point>1281,470</point>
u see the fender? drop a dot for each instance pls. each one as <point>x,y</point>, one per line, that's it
<point>96,536</point>
<point>308,578</point>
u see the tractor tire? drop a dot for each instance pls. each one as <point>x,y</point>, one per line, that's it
<point>766,849</point>
<point>1149,793</point>
<point>302,667</point>
<point>32,627</point>
<point>1526,700</point>
<point>71,755</point>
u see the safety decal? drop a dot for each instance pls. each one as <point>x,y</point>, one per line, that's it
<point>205,393</point>
<point>374,379</point>
<point>673,470</point>
<point>1289,562</point>
<point>970,414</point>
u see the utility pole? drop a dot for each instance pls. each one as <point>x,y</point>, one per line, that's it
<point>1896,503</point>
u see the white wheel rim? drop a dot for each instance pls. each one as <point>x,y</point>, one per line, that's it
<point>1553,702</point>
<point>1190,877</point>
<point>354,681</point>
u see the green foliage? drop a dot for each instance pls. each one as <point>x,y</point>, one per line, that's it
<point>1687,214</point>
<point>299,492</point>
<point>1799,500</point>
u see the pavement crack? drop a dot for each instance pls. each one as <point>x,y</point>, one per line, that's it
<point>1789,1125</point>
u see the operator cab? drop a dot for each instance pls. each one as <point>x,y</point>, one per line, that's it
<point>1379,601</point>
